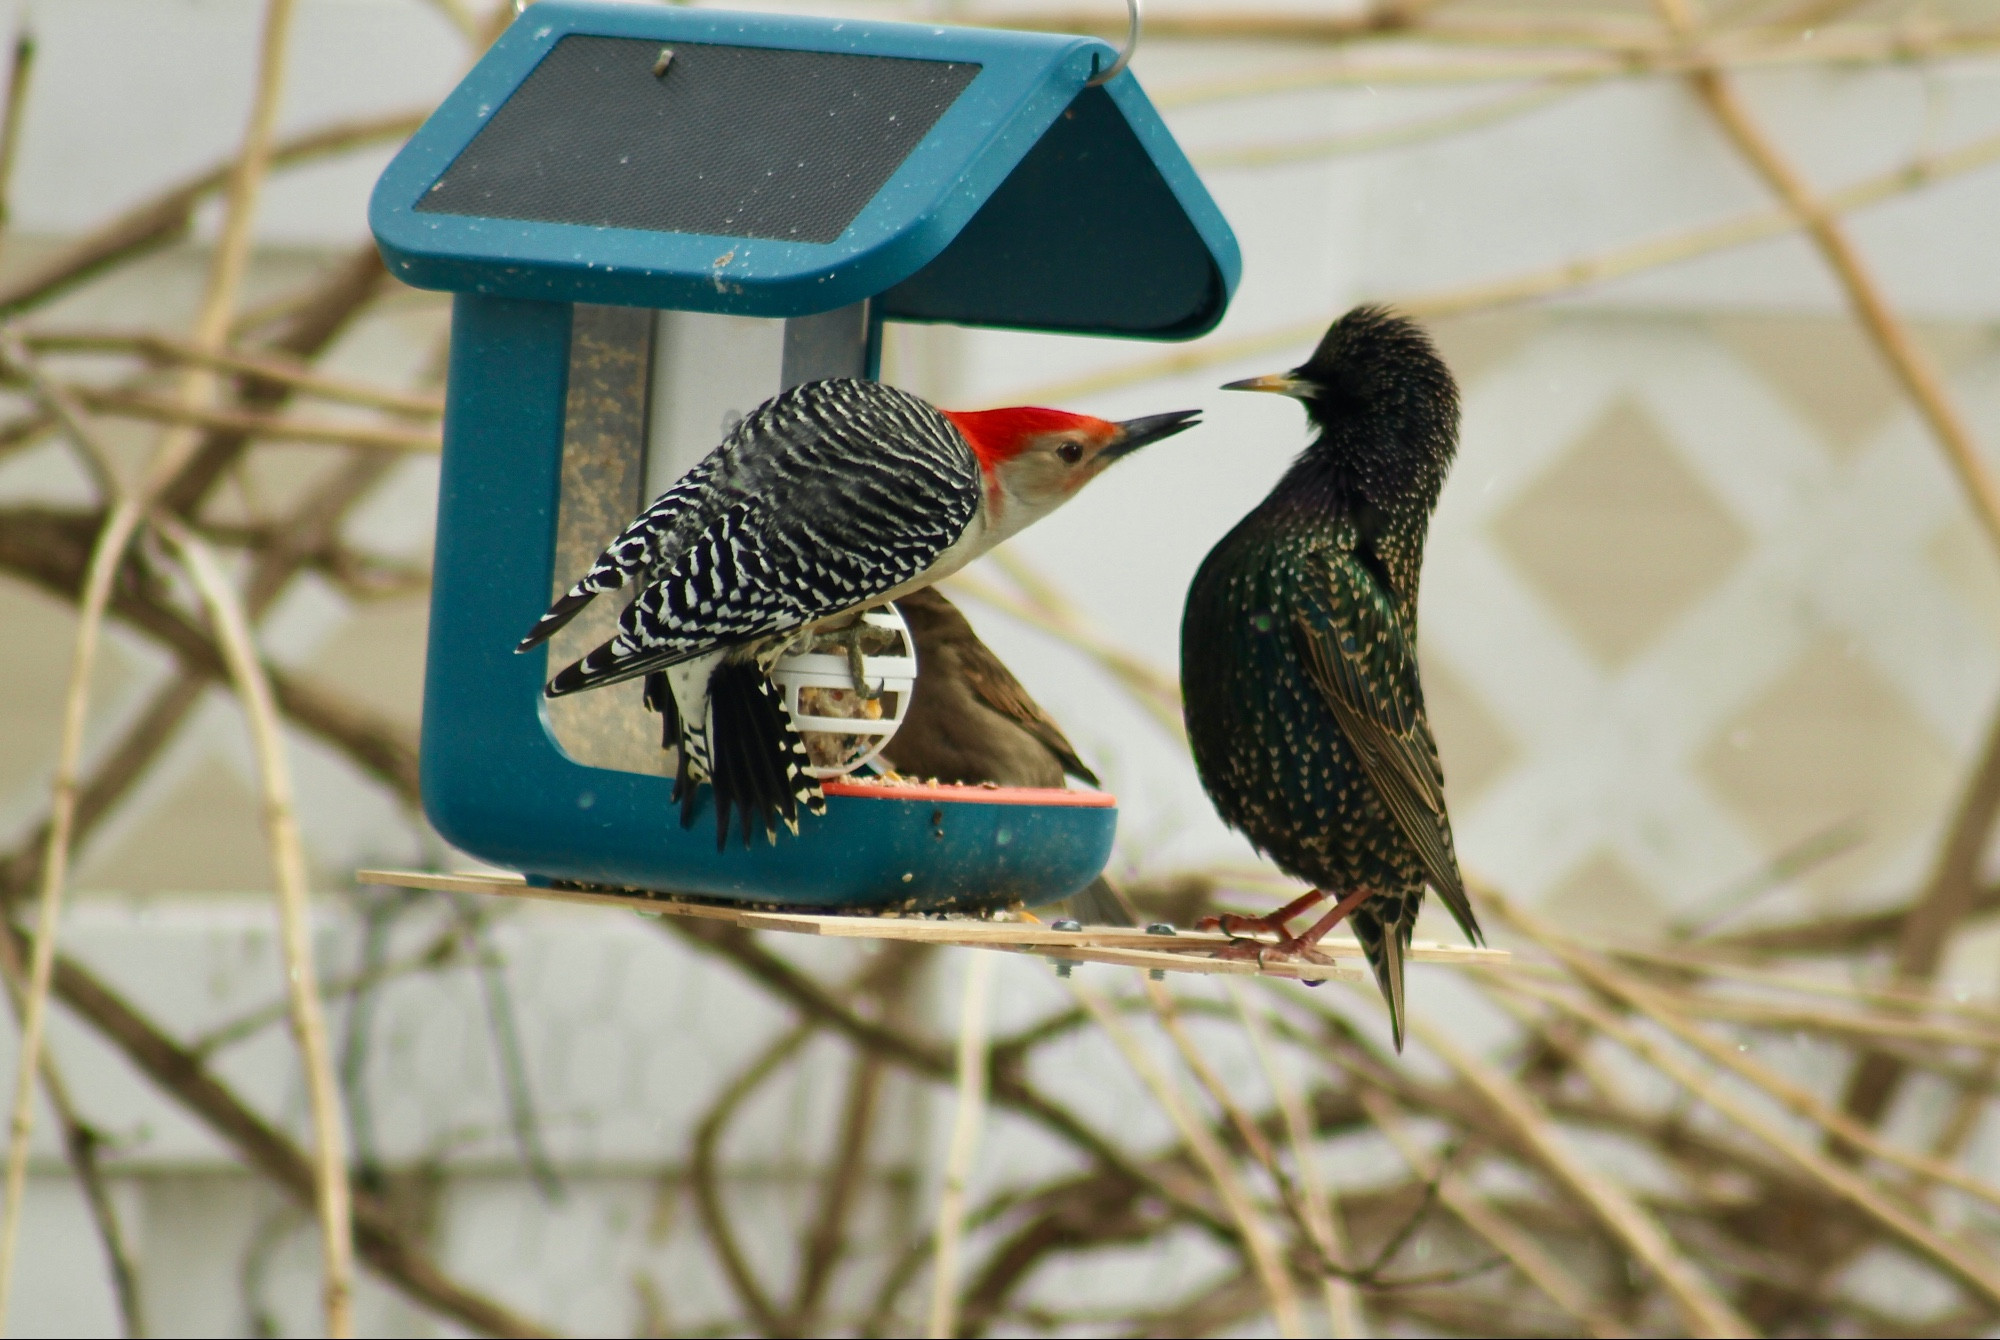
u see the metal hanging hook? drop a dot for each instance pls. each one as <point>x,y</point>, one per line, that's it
<point>1133,9</point>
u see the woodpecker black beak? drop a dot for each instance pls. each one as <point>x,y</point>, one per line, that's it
<point>1136,433</point>
<point>1282,383</point>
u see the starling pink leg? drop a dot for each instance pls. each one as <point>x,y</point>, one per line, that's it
<point>1274,922</point>
<point>1289,945</point>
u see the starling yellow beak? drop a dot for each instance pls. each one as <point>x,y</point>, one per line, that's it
<point>1283,383</point>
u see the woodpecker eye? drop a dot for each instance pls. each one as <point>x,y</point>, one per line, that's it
<point>1071,452</point>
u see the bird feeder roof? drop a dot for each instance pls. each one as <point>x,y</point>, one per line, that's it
<point>777,166</point>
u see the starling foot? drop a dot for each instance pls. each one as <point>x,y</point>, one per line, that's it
<point>1288,945</point>
<point>1231,924</point>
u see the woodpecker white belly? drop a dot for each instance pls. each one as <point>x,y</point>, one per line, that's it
<point>830,497</point>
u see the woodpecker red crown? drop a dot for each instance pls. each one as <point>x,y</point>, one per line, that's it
<point>999,435</point>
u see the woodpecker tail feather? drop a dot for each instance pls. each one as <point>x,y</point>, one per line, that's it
<point>604,665</point>
<point>560,613</point>
<point>1384,926</point>
<point>687,790</point>
<point>759,760</point>
<point>659,697</point>
<point>651,535</point>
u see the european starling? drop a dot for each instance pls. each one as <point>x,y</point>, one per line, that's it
<point>971,722</point>
<point>1299,652</point>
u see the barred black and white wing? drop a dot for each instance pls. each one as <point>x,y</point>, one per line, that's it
<point>828,496</point>
<point>637,548</point>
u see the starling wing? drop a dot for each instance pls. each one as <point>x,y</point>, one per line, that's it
<point>1355,649</point>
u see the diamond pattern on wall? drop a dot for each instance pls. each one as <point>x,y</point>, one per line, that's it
<point>1830,743</point>
<point>1828,373</point>
<point>204,835</point>
<point>1620,535</point>
<point>1603,896</point>
<point>1475,344</point>
<point>377,656</point>
<point>1962,556</point>
<point>1474,746</point>
<point>34,667</point>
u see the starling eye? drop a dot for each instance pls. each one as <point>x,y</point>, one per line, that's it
<point>1071,452</point>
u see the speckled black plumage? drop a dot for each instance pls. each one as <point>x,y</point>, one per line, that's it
<point>1298,646</point>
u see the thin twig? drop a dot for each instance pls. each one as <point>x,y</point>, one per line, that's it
<point>1005,1088</point>
<point>1343,1305</point>
<point>304,379</point>
<point>1544,282</point>
<point>252,1022</point>
<point>80,1143</point>
<point>20,77</point>
<point>287,855</point>
<point>1265,1258</point>
<point>271,427</point>
<point>702,1175</point>
<point>1519,1247</point>
<point>1947,898</point>
<point>1442,126</point>
<point>1873,45</point>
<point>1973,1270</point>
<point>295,915</point>
<point>1703,1307</point>
<point>1794,1097</point>
<point>166,216</point>
<point>506,1036</point>
<point>383,1240</point>
<point>968,1119</point>
<point>1157,693</point>
<point>1908,360</point>
<point>106,557</point>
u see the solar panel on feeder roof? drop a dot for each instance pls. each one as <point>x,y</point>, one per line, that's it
<point>730,140</point>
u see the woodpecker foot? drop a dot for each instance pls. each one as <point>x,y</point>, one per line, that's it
<point>1303,946</point>
<point>857,661</point>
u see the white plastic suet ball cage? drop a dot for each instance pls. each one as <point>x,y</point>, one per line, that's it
<point>844,729</point>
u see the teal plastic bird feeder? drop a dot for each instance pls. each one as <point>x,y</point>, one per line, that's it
<point>653,218</point>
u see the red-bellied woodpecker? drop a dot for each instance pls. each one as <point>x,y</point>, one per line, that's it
<point>828,498</point>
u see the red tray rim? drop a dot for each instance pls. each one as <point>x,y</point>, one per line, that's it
<point>975,795</point>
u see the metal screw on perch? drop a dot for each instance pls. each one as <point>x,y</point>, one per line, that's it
<point>1063,966</point>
